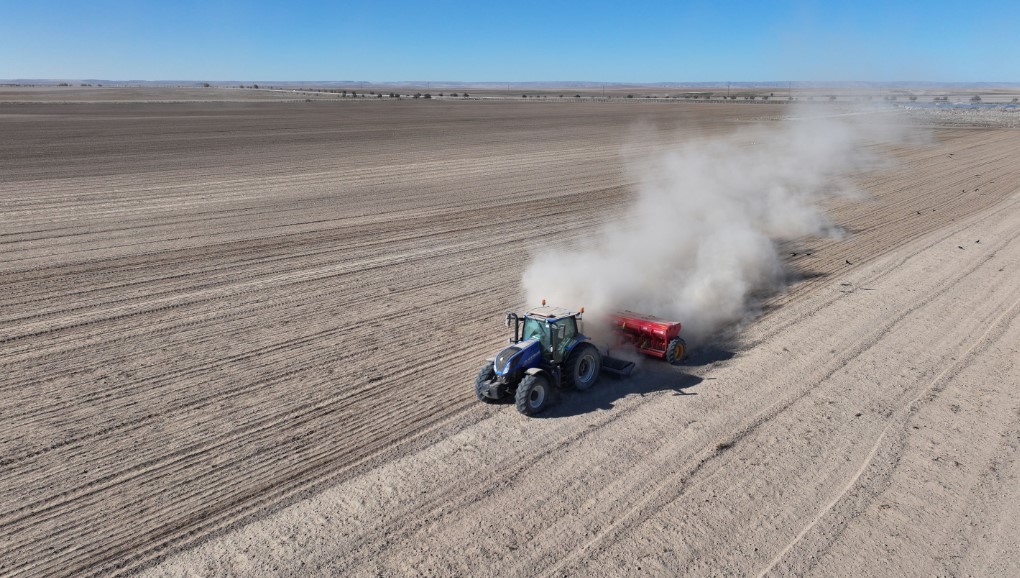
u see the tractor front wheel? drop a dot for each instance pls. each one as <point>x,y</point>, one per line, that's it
<point>676,351</point>
<point>583,366</point>
<point>486,378</point>
<point>533,394</point>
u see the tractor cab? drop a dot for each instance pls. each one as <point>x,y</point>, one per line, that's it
<point>555,328</point>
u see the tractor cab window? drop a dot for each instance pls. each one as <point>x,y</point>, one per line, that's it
<point>535,329</point>
<point>565,330</point>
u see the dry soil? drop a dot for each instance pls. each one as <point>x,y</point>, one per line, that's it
<point>238,338</point>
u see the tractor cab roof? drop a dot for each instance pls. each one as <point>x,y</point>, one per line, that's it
<point>549,313</point>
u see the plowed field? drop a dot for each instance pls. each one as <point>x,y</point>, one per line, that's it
<point>239,338</point>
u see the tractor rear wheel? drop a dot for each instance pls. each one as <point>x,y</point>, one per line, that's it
<point>533,394</point>
<point>486,377</point>
<point>676,351</point>
<point>583,366</point>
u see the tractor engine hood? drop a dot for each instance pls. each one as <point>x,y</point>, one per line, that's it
<point>521,355</point>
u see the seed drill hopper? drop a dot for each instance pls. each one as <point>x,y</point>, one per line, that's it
<point>650,335</point>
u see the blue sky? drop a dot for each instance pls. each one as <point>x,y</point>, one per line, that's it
<point>512,41</point>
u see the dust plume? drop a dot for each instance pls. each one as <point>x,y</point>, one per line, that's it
<point>700,238</point>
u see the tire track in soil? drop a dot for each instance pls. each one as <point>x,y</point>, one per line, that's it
<point>687,482</point>
<point>899,419</point>
<point>674,484</point>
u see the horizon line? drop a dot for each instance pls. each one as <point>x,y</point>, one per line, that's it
<point>801,83</point>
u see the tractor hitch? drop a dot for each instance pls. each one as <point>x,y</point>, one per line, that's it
<point>616,366</point>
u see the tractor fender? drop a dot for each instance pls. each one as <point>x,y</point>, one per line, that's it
<point>580,341</point>
<point>542,372</point>
<point>539,371</point>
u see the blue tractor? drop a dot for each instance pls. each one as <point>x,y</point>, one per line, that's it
<point>547,350</point>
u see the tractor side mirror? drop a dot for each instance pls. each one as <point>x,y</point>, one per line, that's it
<point>509,317</point>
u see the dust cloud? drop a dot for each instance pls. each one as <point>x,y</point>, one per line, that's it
<point>701,237</point>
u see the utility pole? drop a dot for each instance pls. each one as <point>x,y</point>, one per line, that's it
<point>603,90</point>
<point>727,91</point>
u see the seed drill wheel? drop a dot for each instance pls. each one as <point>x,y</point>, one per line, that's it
<point>486,377</point>
<point>583,366</point>
<point>676,350</point>
<point>533,394</point>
